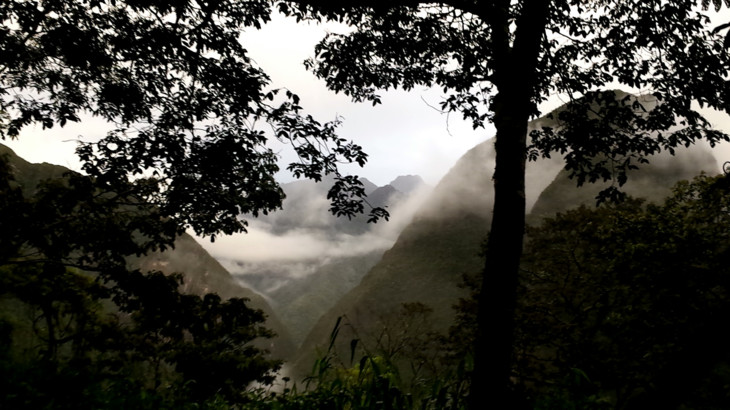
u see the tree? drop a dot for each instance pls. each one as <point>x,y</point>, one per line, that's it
<point>85,331</point>
<point>632,299</point>
<point>497,61</point>
<point>183,99</point>
<point>190,115</point>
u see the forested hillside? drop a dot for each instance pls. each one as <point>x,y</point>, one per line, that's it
<point>416,306</point>
<point>92,319</point>
<point>622,305</point>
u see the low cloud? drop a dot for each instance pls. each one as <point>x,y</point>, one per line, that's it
<point>261,245</point>
<point>306,232</point>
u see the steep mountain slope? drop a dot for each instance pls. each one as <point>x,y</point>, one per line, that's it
<point>407,183</point>
<point>28,175</point>
<point>313,258</point>
<point>304,301</point>
<point>430,257</point>
<point>432,254</point>
<point>652,182</point>
<point>202,273</point>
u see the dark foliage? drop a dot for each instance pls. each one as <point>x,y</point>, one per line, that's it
<point>190,115</point>
<point>497,61</point>
<point>183,99</point>
<point>83,331</point>
<point>623,306</point>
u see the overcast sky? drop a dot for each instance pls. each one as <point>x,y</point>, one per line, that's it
<point>404,135</point>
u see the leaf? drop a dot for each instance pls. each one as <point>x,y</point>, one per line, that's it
<point>720,28</point>
<point>353,347</point>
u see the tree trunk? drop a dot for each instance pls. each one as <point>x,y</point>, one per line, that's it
<point>515,75</point>
<point>49,313</point>
<point>495,320</point>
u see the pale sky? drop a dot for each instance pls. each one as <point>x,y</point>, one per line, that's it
<point>404,135</point>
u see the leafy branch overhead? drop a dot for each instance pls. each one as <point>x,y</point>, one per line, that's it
<point>717,4</point>
<point>189,110</point>
<point>458,46</point>
<point>190,117</point>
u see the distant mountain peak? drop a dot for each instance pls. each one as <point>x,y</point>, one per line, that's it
<point>407,183</point>
<point>368,185</point>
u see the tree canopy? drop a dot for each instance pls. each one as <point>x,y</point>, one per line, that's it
<point>622,306</point>
<point>81,329</point>
<point>190,112</point>
<point>190,115</point>
<point>187,105</point>
<point>665,50</point>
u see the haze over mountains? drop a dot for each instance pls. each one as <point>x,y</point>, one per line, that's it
<point>302,259</point>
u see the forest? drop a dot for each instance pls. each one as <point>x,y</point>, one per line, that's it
<point>608,291</point>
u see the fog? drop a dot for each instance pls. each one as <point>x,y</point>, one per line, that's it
<point>313,236</point>
<point>260,245</point>
<point>296,241</point>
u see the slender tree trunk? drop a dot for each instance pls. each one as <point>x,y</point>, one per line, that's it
<point>495,320</point>
<point>49,313</point>
<point>515,75</point>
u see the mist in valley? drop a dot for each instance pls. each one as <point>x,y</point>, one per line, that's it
<point>302,259</point>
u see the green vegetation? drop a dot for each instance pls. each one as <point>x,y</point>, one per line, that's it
<point>623,306</point>
<point>423,266</point>
<point>620,307</point>
<point>497,61</point>
<point>186,150</point>
<point>626,314</point>
<point>81,330</point>
<point>405,367</point>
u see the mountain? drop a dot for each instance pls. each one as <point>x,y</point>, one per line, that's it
<point>29,175</point>
<point>430,257</point>
<point>202,273</point>
<point>306,207</point>
<point>442,243</point>
<point>369,186</point>
<point>305,259</point>
<point>652,182</point>
<point>302,302</point>
<point>407,183</point>
<point>386,196</point>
